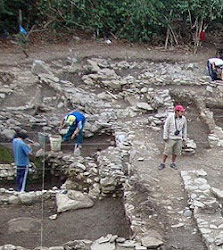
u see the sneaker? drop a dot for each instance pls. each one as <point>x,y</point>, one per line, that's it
<point>173,165</point>
<point>161,166</point>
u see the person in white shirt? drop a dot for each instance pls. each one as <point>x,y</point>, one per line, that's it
<point>215,68</point>
<point>174,133</point>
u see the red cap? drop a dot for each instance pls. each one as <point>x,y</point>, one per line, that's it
<point>179,108</point>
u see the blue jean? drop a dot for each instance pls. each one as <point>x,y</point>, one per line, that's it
<point>21,177</point>
<point>79,137</point>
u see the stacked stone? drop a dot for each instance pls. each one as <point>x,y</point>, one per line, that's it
<point>205,202</point>
<point>108,242</point>
<point>26,198</point>
<point>106,176</point>
<point>7,172</point>
<point>81,172</point>
<point>111,171</point>
<point>102,72</point>
<point>6,84</point>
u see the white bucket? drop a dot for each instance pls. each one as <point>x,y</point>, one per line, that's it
<point>55,142</point>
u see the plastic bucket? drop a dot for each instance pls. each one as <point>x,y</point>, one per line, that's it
<point>55,142</point>
<point>43,139</point>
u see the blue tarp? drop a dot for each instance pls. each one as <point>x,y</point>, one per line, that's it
<point>22,30</point>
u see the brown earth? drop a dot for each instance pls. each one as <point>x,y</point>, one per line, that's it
<point>166,186</point>
<point>105,217</point>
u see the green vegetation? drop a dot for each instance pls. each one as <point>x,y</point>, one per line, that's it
<point>5,155</point>
<point>175,21</point>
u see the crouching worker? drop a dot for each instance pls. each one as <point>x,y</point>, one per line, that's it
<point>76,122</point>
<point>215,68</point>
<point>21,152</point>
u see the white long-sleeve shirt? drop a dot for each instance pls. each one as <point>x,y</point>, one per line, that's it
<point>216,61</point>
<point>172,124</point>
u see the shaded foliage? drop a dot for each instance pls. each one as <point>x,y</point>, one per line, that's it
<point>134,20</point>
<point>5,155</point>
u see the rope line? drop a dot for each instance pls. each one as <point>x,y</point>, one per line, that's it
<point>42,200</point>
<point>96,144</point>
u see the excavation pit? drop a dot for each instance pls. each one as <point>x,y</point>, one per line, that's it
<point>91,145</point>
<point>21,225</point>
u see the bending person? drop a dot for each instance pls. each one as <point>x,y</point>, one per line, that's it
<point>76,122</point>
<point>215,66</point>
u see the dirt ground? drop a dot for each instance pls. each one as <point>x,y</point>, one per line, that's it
<point>166,185</point>
<point>91,224</point>
<point>12,54</point>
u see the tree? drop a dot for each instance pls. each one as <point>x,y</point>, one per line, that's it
<point>134,20</point>
<point>200,13</point>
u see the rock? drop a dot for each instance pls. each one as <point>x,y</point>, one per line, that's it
<point>13,199</point>
<point>26,198</point>
<point>178,225</point>
<point>187,212</point>
<point>103,246</point>
<point>217,192</point>
<point>78,244</point>
<point>72,200</point>
<point>53,217</point>
<point>150,241</point>
<point>40,67</point>
<point>56,248</point>
<point>9,247</point>
<point>145,106</point>
<point>8,134</point>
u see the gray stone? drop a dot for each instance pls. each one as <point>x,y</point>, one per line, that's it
<point>56,248</point>
<point>13,199</point>
<point>151,241</point>
<point>72,200</point>
<point>103,246</point>
<point>40,67</point>
<point>187,213</point>
<point>145,106</point>
<point>26,198</point>
<point>9,247</point>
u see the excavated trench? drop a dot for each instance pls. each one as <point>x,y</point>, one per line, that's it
<point>21,225</point>
<point>107,216</point>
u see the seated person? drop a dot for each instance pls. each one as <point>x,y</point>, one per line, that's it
<point>214,66</point>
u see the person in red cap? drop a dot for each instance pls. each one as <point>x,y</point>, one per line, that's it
<point>174,133</point>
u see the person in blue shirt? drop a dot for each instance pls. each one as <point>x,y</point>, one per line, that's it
<point>76,121</point>
<point>21,152</point>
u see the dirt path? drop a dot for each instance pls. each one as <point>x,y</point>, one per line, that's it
<point>166,186</point>
<point>85,48</point>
